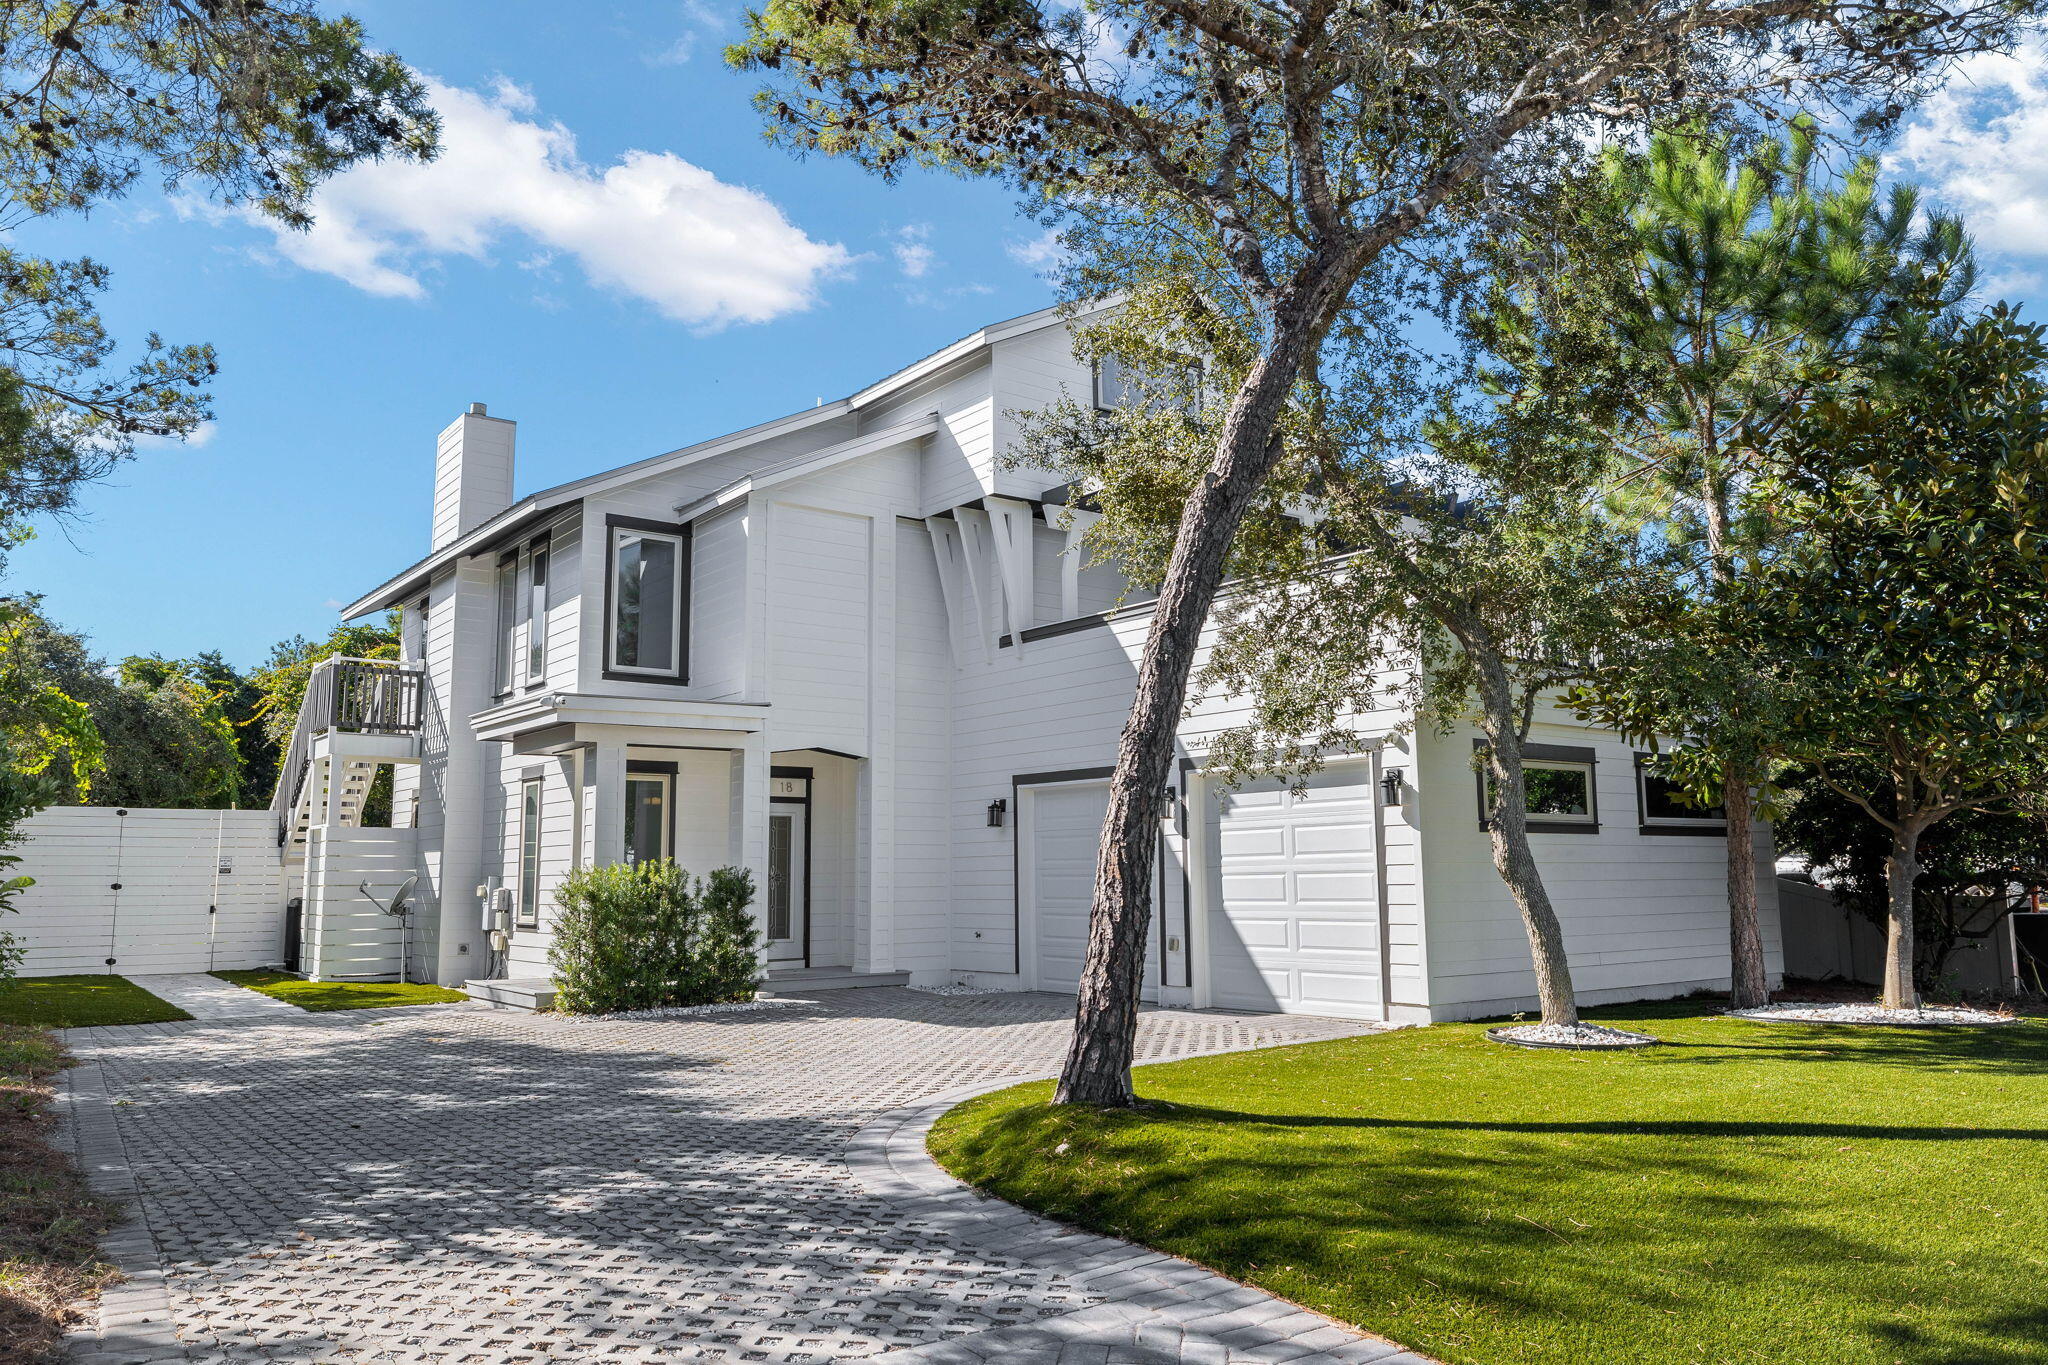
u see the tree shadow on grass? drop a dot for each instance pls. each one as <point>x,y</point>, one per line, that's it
<point>1672,1128</point>
<point>1501,1238</point>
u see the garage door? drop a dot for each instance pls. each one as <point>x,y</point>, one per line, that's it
<point>1296,924</point>
<point>1065,828</point>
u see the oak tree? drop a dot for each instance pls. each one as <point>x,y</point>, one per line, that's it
<point>1294,144</point>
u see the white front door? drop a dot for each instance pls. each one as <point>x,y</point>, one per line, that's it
<point>789,887</point>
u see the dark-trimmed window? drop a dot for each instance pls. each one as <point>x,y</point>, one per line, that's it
<point>1559,788</point>
<point>529,853</point>
<point>647,590</point>
<point>1664,808</point>
<point>508,623</point>
<point>537,612</point>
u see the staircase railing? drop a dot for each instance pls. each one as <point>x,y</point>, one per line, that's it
<point>355,696</point>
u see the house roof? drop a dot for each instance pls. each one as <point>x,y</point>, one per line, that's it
<point>534,508</point>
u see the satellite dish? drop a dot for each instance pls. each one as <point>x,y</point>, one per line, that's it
<point>398,907</point>
<point>401,900</point>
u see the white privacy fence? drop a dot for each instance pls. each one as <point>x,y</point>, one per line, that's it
<point>137,891</point>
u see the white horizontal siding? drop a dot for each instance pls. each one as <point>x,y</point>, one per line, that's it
<point>1643,915</point>
<point>175,910</point>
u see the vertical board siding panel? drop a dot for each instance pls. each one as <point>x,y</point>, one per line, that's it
<point>924,675</point>
<point>818,622</point>
<point>718,662</point>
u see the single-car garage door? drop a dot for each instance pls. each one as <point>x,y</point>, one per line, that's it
<point>1063,828</point>
<point>1296,924</point>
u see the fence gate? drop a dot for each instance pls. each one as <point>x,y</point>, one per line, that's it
<point>134,891</point>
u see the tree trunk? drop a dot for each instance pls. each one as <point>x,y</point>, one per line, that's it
<point>1507,827</point>
<point>1900,991</point>
<point>1098,1064</point>
<point>1748,981</point>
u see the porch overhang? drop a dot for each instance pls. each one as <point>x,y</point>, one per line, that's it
<point>553,722</point>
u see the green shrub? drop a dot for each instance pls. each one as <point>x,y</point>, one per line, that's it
<point>651,935</point>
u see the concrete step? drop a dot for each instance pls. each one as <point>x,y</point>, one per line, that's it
<point>530,995</point>
<point>804,980</point>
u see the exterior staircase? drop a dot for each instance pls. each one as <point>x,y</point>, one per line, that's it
<point>357,716</point>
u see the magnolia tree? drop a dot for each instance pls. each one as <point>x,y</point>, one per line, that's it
<point>1700,299</point>
<point>1284,149</point>
<point>1915,602</point>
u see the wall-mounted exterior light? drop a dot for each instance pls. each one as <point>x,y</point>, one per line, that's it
<point>996,810</point>
<point>1390,787</point>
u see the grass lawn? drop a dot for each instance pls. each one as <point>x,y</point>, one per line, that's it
<point>81,1002</point>
<point>1794,1194</point>
<point>49,1260</point>
<point>341,995</point>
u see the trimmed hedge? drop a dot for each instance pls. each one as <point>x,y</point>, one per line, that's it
<point>649,936</point>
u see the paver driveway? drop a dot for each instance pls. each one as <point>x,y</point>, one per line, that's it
<point>457,1185</point>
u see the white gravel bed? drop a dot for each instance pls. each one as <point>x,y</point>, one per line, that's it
<point>963,990</point>
<point>686,1011</point>
<point>1569,1035</point>
<point>1821,1012</point>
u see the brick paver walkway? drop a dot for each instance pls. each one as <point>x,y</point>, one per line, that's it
<point>466,1187</point>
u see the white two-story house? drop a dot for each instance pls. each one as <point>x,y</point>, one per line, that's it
<point>854,651</point>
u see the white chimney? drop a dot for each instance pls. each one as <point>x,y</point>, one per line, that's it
<point>472,473</point>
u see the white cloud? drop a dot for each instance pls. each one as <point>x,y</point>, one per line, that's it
<point>1980,144</point>
<point>199,437</point>
<point>913,257</point>
<point>1041,253</point>
<point>700,22</point>
<point>651,225</point>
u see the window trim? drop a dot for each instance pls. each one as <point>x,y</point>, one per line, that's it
<point>1552,756</point>
<point>681,533</point>
<point>532,815</point>
<point>671,777</point>
<point>504,647</point>
<point>1695,827</point>
<point>540,565</point>
<point>1095,383</point>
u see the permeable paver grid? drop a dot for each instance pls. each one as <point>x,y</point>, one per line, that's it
<point>458,1185</point>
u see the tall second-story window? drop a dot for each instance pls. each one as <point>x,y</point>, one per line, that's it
<point>537,614</point>
<point>508,622</point>
<point>646,597</point>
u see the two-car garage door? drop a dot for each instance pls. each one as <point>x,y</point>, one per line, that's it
<point>1293,921</point>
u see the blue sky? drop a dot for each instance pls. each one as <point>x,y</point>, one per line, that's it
<point>516,275</point>
<point>610,254</point>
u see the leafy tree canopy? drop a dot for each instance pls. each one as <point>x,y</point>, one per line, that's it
<point>1976,867</point>
<point>1911,613</point>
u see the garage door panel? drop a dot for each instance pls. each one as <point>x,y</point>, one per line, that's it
<point>1066,831</point>
<point>1255,841</point>
<point>1296,922</point>
<point>1262,933</point>
<point>1249,799</point>
<point>1261,888</point>
<point>1353,887</point>
<point>1352,838</point>
<point>1342,990</point>
<point>1358,935</point>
